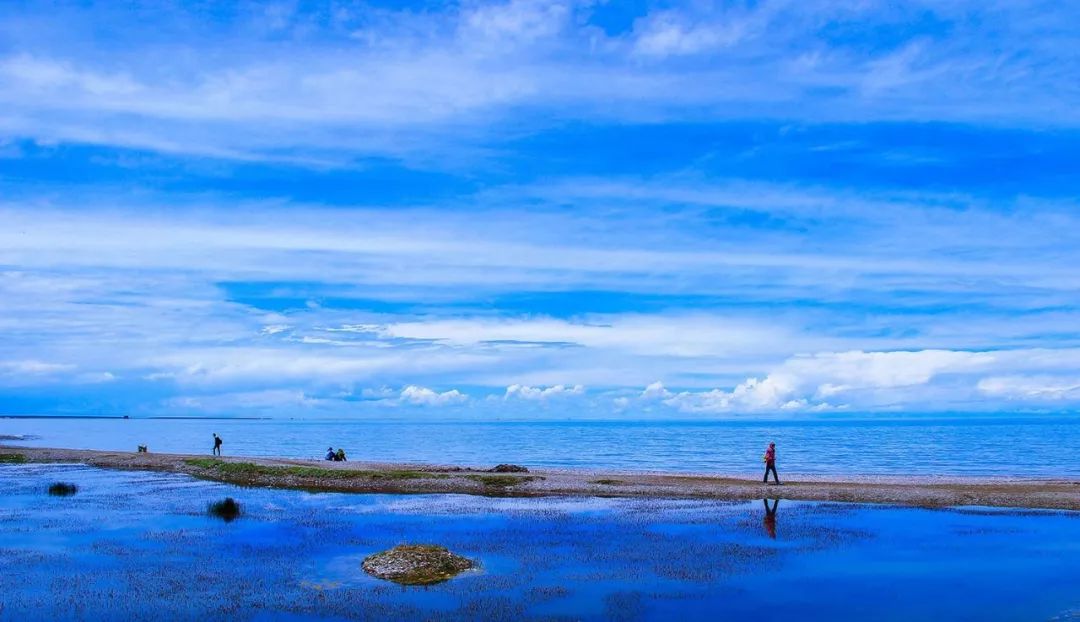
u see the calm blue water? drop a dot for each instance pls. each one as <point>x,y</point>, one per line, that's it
<point>140,546</point>
<point>1043,447</point>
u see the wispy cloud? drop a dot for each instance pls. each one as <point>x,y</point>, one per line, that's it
<point>332,85</point>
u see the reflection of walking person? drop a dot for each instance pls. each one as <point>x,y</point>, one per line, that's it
<point>770,464</point>
<point>770,517</point>
<point>217,444</point>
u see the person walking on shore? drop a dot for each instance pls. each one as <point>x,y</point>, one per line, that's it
<point>217,444</point>
<point>770,464</point>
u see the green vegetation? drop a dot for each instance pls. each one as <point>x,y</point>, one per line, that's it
<point>416,564</point>
<point>63,489</point>
<point>241,469</point>
<point>12,459</point>
<point>204,463</point>
<point>502,481</point>
<point>227,510</point>
<point>607,482</point>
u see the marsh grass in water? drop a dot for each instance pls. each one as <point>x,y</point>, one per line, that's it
<point>227,509</point>
<point>63,489</point>
<point>12,459</point>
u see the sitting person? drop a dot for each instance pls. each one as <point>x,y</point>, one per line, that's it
<point>340,456</point>
<point>330,453</point>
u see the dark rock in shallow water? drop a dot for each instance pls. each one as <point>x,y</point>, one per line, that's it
<point>416,564</point>
<point>63,489</point>
<point>508,468</point>
<point>227,510</point>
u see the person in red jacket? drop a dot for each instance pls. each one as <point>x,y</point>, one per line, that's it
<point>770,464</point>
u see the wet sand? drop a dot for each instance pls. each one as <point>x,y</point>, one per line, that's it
<point>367,477</point>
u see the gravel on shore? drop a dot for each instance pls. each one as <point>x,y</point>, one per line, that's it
<point>366,477</point>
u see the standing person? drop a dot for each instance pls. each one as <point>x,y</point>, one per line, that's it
<point>330,453</point>
<point>770,464</point>
<point>217,444</point>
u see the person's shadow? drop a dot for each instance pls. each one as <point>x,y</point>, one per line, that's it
<point>770,517</point>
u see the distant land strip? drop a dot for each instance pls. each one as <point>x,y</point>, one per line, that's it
<point>368,477</point>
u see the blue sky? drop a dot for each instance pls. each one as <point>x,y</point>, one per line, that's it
<point>565,209</point>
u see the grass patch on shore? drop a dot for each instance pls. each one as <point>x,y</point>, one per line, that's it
<point>608,482</point>
<point>63,489</point>
<point>502,481</point>
<point>250,469</point>
<point>12,459</point>
<point>227,509</point>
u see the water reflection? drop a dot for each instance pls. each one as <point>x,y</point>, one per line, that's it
<point>770,517</point>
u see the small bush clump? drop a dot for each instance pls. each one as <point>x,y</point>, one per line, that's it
<point>63,489</point>
<point>227,509</point>
<point>502,481</point>
<point>508,468</point>
<point>12,458</point>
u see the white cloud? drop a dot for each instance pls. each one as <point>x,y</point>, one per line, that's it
<point>277,365</point>
<point>1035,388</point>
<point>38,75</point>
<point>673,33</point>
<point>94,377</point>
<point>271,399</point>
<point>542,393</point>
<point>32,368</point>
<point>378,393</point>
<point>825,380</point>
<point>423,396</point>
<point>514,23</point>
<point>655,391</point>
<point>682,335</point>
<point>30,372</point>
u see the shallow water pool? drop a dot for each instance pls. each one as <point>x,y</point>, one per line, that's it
<point>133,545</point>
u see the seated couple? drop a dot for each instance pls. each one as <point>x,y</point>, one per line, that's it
<point>338,456</point>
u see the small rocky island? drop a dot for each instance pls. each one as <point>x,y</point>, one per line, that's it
<point>416,564</point>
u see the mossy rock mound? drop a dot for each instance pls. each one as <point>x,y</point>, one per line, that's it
<point>416,564</point>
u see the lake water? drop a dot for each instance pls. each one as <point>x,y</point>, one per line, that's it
<point>1002,446</point>
<point>141,546</point>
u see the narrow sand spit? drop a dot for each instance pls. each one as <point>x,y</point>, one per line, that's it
<point>424,478</point>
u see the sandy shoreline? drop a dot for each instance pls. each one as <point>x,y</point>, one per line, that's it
<point>366,477</point>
